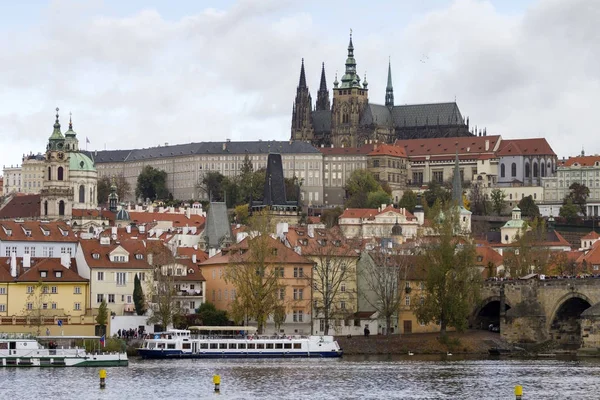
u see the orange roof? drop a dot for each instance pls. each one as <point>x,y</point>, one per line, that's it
<point>90,247</point>
<point>584,161</point>
<point>232,253</point>
<point>324,242</point>
<point>36,231</point>
<point>592,257</point>
<point>364,149</point>
<point>189,251</point>
<point>448,146</point>
<point>193,271</point>
<point>388,150</point>
<point>591,236</point>
<point>522,147</point>
<point>33,274</point>
<point>93,213</point>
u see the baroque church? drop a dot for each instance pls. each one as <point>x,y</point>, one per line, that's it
<point>351,120</point>
<point>70,177</point>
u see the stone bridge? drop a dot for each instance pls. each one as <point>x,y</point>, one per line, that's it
<point>536,310</point>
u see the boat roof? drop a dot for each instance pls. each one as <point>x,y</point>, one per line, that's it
<point>224,328</point>
<point>69,337</point>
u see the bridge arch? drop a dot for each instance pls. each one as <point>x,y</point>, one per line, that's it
<point>564,324</point>
<point>488,312</point>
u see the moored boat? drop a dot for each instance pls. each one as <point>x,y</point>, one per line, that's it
<point>234,342</point>
<point>25,350</point>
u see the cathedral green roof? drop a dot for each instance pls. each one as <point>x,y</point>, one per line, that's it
<point>80,162</point>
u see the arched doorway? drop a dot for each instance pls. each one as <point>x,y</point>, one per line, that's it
<point>565,326</point>
<point>487,316</point>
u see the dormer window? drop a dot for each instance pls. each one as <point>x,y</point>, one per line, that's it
<point>139,256</point>
<point>96,256</point>
<point>274,252</point>
<point>45,232</point>
<point>58,274</point>
<point>44,274</point>
<point>119,259</point>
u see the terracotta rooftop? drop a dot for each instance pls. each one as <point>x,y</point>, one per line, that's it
<point>21,206</point>
<point>583,161</point>
<point>591,236</point>
<point>98,255</point>
<point>524,147</point>
<point>38,265</point>
<point>36,231</point>
<point>388,150</point>
<point>449,146</point>
<point>178,220</point>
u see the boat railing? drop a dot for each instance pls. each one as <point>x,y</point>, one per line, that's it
<point>251,337</point>
<point>17,335</point>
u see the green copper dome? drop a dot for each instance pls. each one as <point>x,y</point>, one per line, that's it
<point>80,162</point>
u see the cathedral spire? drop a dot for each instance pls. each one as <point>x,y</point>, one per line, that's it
<point>389,89</point>
<point>323,103</point>
<point>350,78</point>
<point>302,83</point>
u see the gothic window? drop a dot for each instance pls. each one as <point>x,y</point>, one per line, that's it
<point>61,208</point>
<point>60,173</point>
<point>502,171</point>
<point>527,170</point>
<point>46,208</point>
<point>49,173</point>
<point>543,165</point>
<point>81,194</point>
<point>535,170</point>
<point>513,170</point>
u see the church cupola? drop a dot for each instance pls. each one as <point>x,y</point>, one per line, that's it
<point>350,78</point>
<point>56,140</point>
<point>113,198</point>
<point>71,142</point>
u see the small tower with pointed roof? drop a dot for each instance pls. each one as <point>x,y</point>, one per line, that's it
<point>71,141</point>
<point>323,103</point>
<point>302,128</point>
<point>389,89</point>
<point>113,197</point>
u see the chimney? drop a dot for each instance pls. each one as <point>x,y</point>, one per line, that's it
<point>142,228</point>
<point>194,259</point>
<point>212,252</point>
<point>65,260</point>
<point>128,228</point>
<point>195,247</point>
<point>150,257</point>
<point>26,260</point>
<point>188,212</point>
<point>13,265</point>
<point>487,145</point>
<point>224,146</point>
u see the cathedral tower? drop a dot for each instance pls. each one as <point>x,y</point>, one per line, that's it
<point>302,128</point>
<point>349,101</point>
<point>323,103</point>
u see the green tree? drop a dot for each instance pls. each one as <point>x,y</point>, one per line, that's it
<point>436,191</point>
<point>34,310</point>
<point>498,202</point>
<point>528,254</point>
<point>361,181</point>
<point>409,200</point>
<point>528,207</point>
<point>102,317</point>
<point>242,214</point>
<point>152,184</point>
<point>210,316</point>
<point>212,184</point>
<point>578,194</point>
<point>139,300</point>
<point>451,283</point>
<point>330,217</point>
<point>291,188</point>
<point>247,167</point>
<point>376,199</point>
<point>569,211</point>
<point>103,189</point>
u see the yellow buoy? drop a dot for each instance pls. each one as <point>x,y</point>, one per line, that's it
<point>518,392</point>
<point>102,378</point>
<point>217,382</point>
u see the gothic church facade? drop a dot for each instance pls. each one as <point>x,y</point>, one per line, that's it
<point>351,120</point>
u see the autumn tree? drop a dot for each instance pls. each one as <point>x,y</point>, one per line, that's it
<point>452,283</point>
<point>497,196</point>
<point>381,273</point>
<point>409,200</point>
<point>34,309</point>
<point>333,275</point>
<point>165,307</point>
<point>330,217</point>
<point>529,254</point>
<point>255,274</point>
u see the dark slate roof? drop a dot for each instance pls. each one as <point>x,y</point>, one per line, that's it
<point>411,115</point>
<point>274,192</point>
<point>321,121</point>
<point>376,114</point>
<point>254,147</point>
<point>217,224</point>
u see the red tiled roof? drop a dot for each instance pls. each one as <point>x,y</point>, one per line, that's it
<point>133,247</point>
<point>178,220</point>
<point>201,256</point>
<point>32,274</point>
<point>591,236</point>
<point>448,146</point>
<point>94,213</point>
<point>38,231</point>
<point>22,206</point>
<point>584,161</point>
<point>193,271</point>
<point>388,150</point>
<point>592,257</point>
<point>522,147</point>
<point>324,242</point>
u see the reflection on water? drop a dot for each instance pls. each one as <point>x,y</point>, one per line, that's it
<point>359,377</point>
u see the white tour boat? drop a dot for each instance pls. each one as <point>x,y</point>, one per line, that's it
<point>25,350</point>
<point>234,342</point>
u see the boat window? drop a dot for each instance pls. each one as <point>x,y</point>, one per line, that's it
<point>287,346</point>
<point>151,345</point>
<point>171,346</point>
<point>204,345</point>
<point>251,346</point>
<point>161,345</point>
<point>222,346</point>
<point>269,345</point>
<point>186,346</point>
<point>260,345</point>
<point>214,346</point>
<point>297,345</point>
<point>232,346</point>
<point>241,345</point>
<point>279,345</point>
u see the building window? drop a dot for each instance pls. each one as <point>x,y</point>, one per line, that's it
<point>527,170</point>
<point>343,287</point>
<point>30,306</point>
<point>298,272</point>
<point>77,306</point>
<point>121,278</point>
<point>29,289</point>
<point>54,290</point>
<point>513,169</point>
<point>142,277</point>
<point>53,306</point>
<point>279,272</point>
<point>298,294</point>
<point>342,305</point>
<point>407,300</point>
<point>298,316</point>
<point>77,290</point>
<point>438,176</point>
<point>502,171</point>
<point>535,170</point>
<point>99,298</point>
<point>60,173</point>
<point>44,306</point>
<point>281,293</point>
<point>100,276</point>
<point>111,298</point>
<point>2,290</point>
<point>81,194</point>
<point>2,307</point>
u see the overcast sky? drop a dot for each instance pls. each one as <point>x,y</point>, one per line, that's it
<point>141,73</point>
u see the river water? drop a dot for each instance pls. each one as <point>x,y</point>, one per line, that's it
<point>400,377</point>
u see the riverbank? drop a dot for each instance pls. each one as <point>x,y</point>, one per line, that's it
<point>469,342</point>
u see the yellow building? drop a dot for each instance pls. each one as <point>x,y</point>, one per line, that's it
<point>37,293</point>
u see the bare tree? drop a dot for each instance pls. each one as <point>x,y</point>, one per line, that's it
<point>382,274</point>
<point>165,308</point>
<point>333,278</point>
<point>37,299</point>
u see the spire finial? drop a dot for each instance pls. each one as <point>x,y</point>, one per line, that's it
<point>57,109</point>
<point>302,82</point>
<point>70,121</point>
<point>389,89</point>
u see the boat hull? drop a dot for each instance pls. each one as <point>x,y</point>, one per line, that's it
<point>173,354</point>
